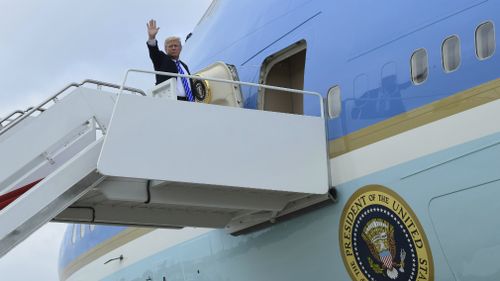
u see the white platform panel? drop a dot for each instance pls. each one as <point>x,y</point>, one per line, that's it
<point>167,140</point>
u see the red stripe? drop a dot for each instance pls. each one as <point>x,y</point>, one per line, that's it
<point>9,197</point>
<point>5,203</point>
<point>387,260</point>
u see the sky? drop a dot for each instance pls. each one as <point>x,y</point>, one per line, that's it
<point>45,45</point>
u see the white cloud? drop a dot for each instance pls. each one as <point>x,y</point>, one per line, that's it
<point>35,258</point>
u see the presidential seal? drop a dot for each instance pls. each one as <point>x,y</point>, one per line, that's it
<point>202,91</point>
<point>382,239</point>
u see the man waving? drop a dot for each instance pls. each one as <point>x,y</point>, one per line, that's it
<point>169,62</point>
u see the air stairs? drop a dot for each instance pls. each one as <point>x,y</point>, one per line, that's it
<point>92,156</point>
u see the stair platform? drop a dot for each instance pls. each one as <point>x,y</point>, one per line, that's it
<point>143,161</point>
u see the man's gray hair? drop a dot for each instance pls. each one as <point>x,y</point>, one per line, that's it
<point>173,38</point>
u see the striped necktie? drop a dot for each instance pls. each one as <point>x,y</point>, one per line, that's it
<point>185,82</point>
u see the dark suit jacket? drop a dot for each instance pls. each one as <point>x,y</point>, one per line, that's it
<point>163,62</point>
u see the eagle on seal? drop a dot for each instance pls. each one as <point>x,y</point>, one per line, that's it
<point>378,234</point>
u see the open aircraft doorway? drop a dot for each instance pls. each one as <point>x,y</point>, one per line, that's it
<point>285,69</point>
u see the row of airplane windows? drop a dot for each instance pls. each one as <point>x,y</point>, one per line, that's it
<point>419,63</point>
<point>82,228</point>
<point>451,55</point>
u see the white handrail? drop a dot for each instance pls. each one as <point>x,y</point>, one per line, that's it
<point>295,91</point>
<point>10,115</point>
<point>31,110</point>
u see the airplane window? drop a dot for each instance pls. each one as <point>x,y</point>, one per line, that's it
<point>419,66</point>
<point>334,102</point>
<point>485,40</point>
<point>451,53</point>
<point>73,236</point>
<point>82,230</point>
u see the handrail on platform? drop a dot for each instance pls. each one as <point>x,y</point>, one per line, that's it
<point>53,98</point>
<point>295,91</point>
<point>21,112</point>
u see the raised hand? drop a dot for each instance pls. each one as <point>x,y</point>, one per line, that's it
<point>152,29</point>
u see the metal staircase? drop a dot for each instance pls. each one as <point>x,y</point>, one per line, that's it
<point>107,158</point>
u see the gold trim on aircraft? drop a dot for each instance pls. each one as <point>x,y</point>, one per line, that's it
<point>103,248</point>
<point>446,107</point>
